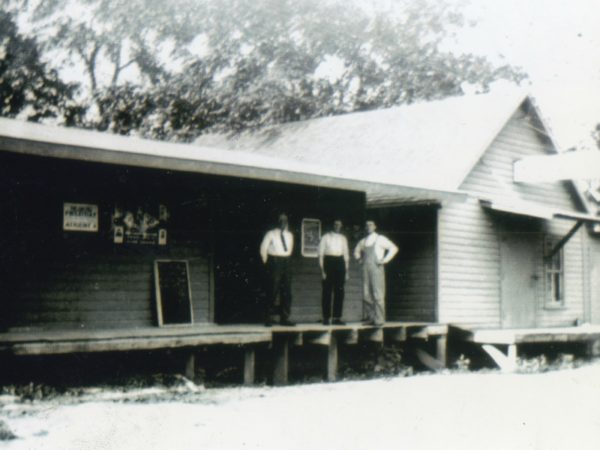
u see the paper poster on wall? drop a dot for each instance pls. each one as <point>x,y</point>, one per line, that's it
<point>140,225</point>
<point>80,217</point>
<point>311,236</point>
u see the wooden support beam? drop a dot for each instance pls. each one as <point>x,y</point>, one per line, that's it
<point>374,334</point>
<point>332,359</point>
<point>560,244</point>
<point>429,361</point>
<point>249,365</point>
<point>298,339</point>
<point>350,337</point>
<point>442,350</point>
<point>396,334</point>
<point>321,338</point>
<point>512,354</point>
<point>419,333</point>
<point>507,363</point>
<point>189,370</point>
<point>281,360</point>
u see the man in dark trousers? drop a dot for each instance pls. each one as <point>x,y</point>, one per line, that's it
<point>334,258</point>
<point>275,252</point>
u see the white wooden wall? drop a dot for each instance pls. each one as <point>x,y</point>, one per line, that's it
<point>468,243</point>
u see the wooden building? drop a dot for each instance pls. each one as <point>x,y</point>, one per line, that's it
<point>91,223</point>
<point>511,256</point>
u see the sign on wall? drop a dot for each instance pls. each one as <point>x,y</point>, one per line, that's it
<point>80,217</point>
<point>311,236</point>
<point>140,225</point>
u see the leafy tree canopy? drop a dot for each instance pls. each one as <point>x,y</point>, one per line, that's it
<point>176,69</point>
<point>27,86</point>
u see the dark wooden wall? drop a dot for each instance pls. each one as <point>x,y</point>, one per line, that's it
<point>51,278</point>
<point>411,276</point>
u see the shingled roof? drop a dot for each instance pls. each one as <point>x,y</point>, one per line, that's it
<point>84,145</point>
<point>433,145</point>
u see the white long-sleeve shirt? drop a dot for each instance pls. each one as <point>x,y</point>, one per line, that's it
<point>333,244</point>
<point>273,246</point>
<point>385,249</point>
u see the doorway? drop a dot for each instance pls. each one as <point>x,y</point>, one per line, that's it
<point>520,256</point>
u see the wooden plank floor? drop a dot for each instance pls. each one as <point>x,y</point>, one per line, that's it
<point>37,342</point>
<point>530,335</point>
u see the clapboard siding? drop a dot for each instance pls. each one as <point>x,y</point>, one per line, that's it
<point>102,291</point>
<point>469,272</point>
<point>594,262</point>
<point>468,238</point>
<point>411,275</point>
<point>493,174</point>
<point>306,291</point>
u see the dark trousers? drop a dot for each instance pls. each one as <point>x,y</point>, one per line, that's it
<point>279,283</point>
<point>335,277</point>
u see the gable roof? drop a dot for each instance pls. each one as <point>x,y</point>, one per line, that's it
<point>75,144</point>
<point>432,145</point>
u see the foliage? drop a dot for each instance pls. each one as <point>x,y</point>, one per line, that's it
<point>27,85</point>
<point>173,70</point>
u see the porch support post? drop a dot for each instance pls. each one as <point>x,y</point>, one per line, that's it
<point>281,355</point>
<point>512,354</point>
<point>332,358</point>
<point>442,350</point>
<point>249,365</point>
<point>189,370</point>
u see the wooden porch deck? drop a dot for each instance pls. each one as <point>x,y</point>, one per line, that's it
<point>513,337</point>
<point>278,338</point>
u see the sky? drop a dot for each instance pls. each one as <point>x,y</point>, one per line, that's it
<point>556,42</point>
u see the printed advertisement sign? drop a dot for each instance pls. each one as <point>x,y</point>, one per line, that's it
<point>140,225</point>
<point>311,236</point>
<point>80,217</point>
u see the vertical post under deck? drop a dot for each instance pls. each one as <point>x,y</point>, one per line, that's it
<point>512,355</point>
<point>249,365</point>
<point>442,350</point>
<point>332,358</point>
<point>281,355</point>
<point>190,367</point>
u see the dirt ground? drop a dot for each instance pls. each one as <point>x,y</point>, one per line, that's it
<point>557,409</point>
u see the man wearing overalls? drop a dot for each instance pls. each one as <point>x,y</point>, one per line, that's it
<point>374,251</point>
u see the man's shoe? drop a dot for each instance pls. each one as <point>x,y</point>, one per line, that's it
<point>338,322</point>
<point>326,321</point>
<point>287,323</point>
<point>268,323</point>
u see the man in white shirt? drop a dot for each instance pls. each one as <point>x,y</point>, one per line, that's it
<point>334,259</point>
<point>374,251</point>
<point>275,252</point>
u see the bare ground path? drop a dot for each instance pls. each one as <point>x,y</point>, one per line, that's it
<point>553,410</point>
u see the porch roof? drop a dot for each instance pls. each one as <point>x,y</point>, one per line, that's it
<point>84,145</point>
<point>524,208</point>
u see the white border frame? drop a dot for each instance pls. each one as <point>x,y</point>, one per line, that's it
<point>158,295</point>
<point>310,254</point>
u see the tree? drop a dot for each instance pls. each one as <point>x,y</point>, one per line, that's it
<point>235,64</point>
<point>27,85</point>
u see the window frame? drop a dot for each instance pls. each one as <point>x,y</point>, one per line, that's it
<point>554,274</point>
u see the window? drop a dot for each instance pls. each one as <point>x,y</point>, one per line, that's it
<point>554,276</point>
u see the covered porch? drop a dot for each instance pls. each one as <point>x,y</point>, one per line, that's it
<point>277,341</point>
